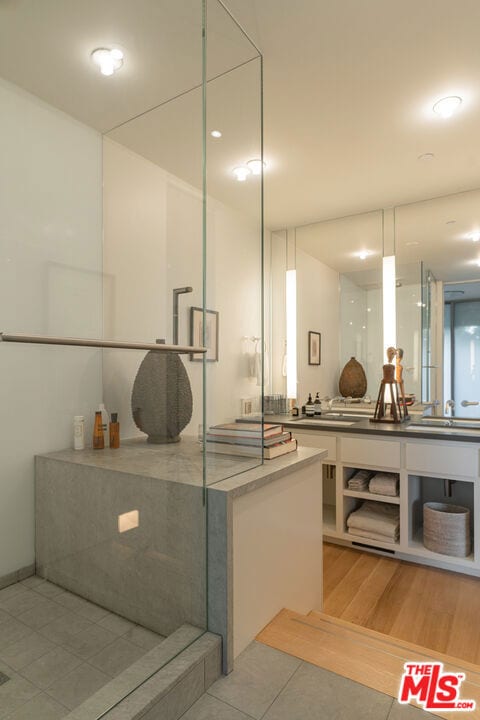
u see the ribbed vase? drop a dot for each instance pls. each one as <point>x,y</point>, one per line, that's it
<point>353,381</point>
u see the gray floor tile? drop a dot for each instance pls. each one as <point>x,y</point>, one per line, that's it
<point>82,607</point>
<point>260,674</point>
<point>62,629</point>
<point>11,591</point>
<point>22,602</point>
<point>144,638</point>
<point>51,667</point>
<point>407,712</point>
<point>42,615</point>
<point>116,657</point>
<point>25,651</point>
<point>317,694</point>
<point>116,624</point>
<point>32,581</point>
<point>89,642</point>
<point>15,693</point>
<point>4,616</point>
<point>209,708</point>
<point>12,630</point>
<point>41,707</point>
<point>48,589</point>
<point>76,687</point>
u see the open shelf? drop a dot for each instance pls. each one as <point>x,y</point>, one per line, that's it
<point>394,500</point>
<point>416,545</point>
<point>371,541</point>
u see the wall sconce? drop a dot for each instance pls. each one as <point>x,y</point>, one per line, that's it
<point>291,316</point>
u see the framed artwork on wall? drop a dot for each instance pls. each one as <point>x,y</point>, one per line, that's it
<point>211,333</point>
<point>314,348</point>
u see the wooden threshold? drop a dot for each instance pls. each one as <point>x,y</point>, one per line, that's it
<point>362,655</point>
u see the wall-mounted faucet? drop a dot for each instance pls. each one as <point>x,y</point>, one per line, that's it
<point>450,406</point>
<point>466,403</point>
<point>176,293</point>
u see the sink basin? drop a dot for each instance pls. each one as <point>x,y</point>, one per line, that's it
<point>347,415</point>
<point>324,421</point>
<point>445,424</point>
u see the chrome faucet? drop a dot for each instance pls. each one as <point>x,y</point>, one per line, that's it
<point>450,406</point>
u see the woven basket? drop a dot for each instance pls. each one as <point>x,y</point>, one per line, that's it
<point>446,529</point>
<point>353,381</point>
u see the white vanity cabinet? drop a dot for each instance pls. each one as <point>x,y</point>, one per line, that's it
<point>429,470</point>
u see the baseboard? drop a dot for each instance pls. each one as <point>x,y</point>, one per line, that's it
<point>17,576</point>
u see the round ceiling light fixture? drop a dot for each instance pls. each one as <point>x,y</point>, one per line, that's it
<point>108,60</point>
<point>256,166</point>
<point>241,173</point>
<point>475,236</point>
<point>216,134</point>
<point>363,254</point>
<point>447,106</point>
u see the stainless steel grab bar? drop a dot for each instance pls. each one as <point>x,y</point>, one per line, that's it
<point>84,342</point>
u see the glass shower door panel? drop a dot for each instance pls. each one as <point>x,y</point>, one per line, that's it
<point>466,357</point>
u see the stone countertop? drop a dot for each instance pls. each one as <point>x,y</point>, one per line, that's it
<point>367,427</point>
<point>183,463</point>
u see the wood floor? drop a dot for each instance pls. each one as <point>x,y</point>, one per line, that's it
<point>435,609</point>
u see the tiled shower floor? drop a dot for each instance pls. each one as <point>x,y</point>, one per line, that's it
<point>58,649</point>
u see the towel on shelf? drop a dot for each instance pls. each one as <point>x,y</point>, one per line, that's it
<point>359,481</point>
<point>384,484</point>
<point>373,535</point>
<point>380,518</point>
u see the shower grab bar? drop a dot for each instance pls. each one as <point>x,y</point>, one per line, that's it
<point>84,342</point>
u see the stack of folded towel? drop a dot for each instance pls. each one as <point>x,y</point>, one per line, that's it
<point>375,520</point>
<point>359,482</point>
<point>383,483</point>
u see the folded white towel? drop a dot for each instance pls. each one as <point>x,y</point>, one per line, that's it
<point>381,518</point>
<point>384,484</point>
<point>373,535</point>
<point>359,481</point>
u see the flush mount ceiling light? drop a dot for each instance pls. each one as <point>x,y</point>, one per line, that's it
<point>216,134</point>
<point>108,60</point>
<point>363,254</point>
<point>256,166</point>
<point>447,106</point>
<point>241,173</point>
<point>475,236</point>
<point>450,222</point>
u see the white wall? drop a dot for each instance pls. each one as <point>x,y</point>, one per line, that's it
<point>152,244</point>
<point>50,283</point>
<point>318,309</point>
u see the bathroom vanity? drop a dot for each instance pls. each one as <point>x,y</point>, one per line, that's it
<point>433,464</point>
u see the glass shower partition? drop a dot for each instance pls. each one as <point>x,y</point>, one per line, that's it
<point>123,223</point>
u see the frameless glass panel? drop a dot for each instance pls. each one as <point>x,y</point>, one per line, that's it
<point>233,322</point>
<point>466,358</point>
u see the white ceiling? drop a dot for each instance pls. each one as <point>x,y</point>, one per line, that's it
<point>348,84</point>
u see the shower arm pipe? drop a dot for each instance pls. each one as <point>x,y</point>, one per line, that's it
<point>84,342</point>
<point>176,293</point>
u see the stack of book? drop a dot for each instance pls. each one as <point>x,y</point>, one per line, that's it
<point>241,438</point>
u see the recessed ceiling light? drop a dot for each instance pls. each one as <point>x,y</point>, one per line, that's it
<point>411,243</point>
<point>108,60</point>
<point>241,173</point>
<point>475,236</point>
<point>426,156</point>
<point>447,106</point>
<point>363,254</point>
<point>450,222</point>
<point>216,134</point>
<point>256,166</point>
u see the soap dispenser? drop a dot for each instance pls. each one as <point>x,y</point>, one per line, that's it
<point>309,406</point>
<point>317,405</point>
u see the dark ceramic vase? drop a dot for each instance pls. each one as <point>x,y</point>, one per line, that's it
<point>353,381</point>
<point>162,400</point>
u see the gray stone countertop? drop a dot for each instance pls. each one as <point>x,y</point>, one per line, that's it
<point>367,427</point>
<point>183,463</point>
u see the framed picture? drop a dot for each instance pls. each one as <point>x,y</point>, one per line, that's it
<point>314,348</point>
<point>211,333</point>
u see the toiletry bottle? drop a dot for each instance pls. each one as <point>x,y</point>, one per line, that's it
<point>105,419</point>
<point>317,405</point>
<point>79,432</point>
<point>114,432</point>
<point>309,406</point>
<point>98,437</point>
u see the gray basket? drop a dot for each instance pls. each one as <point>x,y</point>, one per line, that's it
<point>446,529</point>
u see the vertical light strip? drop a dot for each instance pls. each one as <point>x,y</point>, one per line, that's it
<point>389,303</point>
<point>291,315</point>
